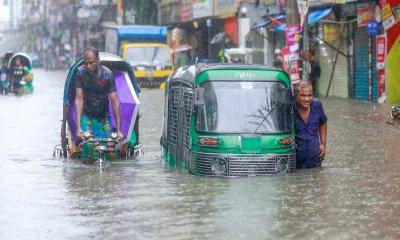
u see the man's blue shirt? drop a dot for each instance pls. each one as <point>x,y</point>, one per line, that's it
<point>307,135</point>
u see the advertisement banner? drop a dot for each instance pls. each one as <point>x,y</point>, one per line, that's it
<point>388,19</point>
<point>294,72</point>
<point>292,34</point>
<point>290,66</point>
<point>365,13</point>
<point>386,12</point>
<point>201,8</point>
<point>380,63</point>
<point>380,51</point>
<point>285,58</point>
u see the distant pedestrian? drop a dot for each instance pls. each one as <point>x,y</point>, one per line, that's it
<point>311,127</point>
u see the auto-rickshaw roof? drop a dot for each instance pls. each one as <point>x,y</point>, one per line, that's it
<point>26,60</point>
<point>242,72</point>
<point>188,74</point>
<point>236,66</point>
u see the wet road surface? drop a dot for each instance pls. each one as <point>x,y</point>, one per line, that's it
<point>355,195</point>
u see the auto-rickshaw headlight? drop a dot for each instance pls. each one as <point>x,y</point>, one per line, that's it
<point>282,165</point>
<point>87,135</point>
<point>219,166</point>
<point>114,136</point>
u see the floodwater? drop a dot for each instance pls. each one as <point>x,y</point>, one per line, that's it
<point>355,195</point>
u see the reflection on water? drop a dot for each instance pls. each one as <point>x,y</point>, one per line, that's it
<point>355,194</point>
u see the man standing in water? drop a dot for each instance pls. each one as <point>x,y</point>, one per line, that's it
<point>95,87</point>
<point>311,127</point>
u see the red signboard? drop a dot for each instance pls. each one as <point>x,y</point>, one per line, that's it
<point>186,12</point>
<point>365,13</point>
<point>380,51</point>
<point>380,62</point>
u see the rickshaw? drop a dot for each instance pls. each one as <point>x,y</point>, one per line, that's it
<point>103,149</point>
<point>20,78</point>
<point>229,120</point>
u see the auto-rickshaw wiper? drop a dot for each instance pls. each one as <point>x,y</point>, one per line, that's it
<point>265,118</point>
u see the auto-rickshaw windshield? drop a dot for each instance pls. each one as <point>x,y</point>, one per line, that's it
<point>245,107</point>
<point>148,56</point>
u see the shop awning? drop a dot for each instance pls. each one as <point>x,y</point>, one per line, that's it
<point>278,23</point>
<point>262,24</point>
<point>271,22</point>
<point>313,17</point>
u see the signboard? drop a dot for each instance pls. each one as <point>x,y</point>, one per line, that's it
<point>294,71</point>
<point>380,62</point>
<point>388,19</point>
<point>225,8</point>
<point>201,8</point>
<point>380,51</point>
<point>331,32</point>
<point>388,23</point>
<point>365,13</point>
<point>285,59</point>
<point>386,11</point>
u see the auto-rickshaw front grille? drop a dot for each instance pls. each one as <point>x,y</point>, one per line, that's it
<point>243,165</point>
<point>187,112</point>
<point>173,110</point>
<point>203,163</point>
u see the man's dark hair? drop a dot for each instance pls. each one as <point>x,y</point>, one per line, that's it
<point>91,49</point>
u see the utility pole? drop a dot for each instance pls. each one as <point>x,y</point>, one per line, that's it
<point>11,11</point>
<point>292,34</point>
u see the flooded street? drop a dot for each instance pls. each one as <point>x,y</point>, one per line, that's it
<point>355,195</point>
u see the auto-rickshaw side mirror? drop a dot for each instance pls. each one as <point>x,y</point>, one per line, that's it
<point>198,97</point>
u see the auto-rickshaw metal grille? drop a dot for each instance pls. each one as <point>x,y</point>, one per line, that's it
<point>187,112</point>
<point>243,164</point>
<point>173,117</point>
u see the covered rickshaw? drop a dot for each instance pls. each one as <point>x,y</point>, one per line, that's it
<point>103,148</point>
<point>20,73</point>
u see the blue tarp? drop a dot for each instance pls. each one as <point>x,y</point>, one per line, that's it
<point>141,31</point>
<point>262,24</point>
<point>313,17</point>
<point>270,21</point>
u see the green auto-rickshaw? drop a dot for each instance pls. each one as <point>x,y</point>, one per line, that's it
<point>229,120</point>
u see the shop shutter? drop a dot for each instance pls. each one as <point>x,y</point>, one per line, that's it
<point>361,66</point>
<point>326,58</point>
